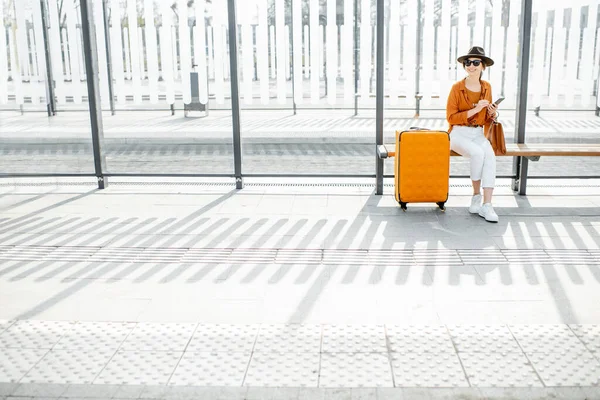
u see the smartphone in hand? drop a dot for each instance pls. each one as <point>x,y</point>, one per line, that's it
<point>500,99</point>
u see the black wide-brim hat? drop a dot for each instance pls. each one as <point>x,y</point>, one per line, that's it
<point>477,52</point>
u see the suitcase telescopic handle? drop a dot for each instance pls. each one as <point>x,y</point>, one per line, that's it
<point>418,128</point>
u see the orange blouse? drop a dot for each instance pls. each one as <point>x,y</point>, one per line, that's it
<point>459,104</point>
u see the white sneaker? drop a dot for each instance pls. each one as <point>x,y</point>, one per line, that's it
<point>487,212</point>
<point>475,204</point>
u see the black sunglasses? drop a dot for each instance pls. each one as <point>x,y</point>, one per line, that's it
<point>468,63</point>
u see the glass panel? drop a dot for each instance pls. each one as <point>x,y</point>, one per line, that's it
<point>564,85</point>
<point>297,55</point>
<point>30,142</point>
<point>169,55</point>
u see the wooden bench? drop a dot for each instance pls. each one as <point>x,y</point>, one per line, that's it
<point>532,151</point>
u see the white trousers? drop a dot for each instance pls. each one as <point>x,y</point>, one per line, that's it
<point>472,143</point>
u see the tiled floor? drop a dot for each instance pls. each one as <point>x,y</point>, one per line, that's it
<point>166,291</point>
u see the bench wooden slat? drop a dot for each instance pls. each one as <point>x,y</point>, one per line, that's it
<point>535,149</point>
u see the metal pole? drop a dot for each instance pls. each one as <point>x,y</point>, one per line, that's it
<point>418,68</point>
<point>50,93</point>
<point>355,57</point>
<point>521,163</point>
<point>379,98</point>
<point>108,57</point>
<point>235,96</point>
<point>293,59</point>
<point>93,84</point>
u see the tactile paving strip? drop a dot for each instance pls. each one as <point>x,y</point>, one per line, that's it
<point>27,253</point>
<point>499,370</point>
<point>572,257</point>
<point>480,338</point>
<point>34,334</point>
<point>139,368</point>
<point>345,257</point>
<point>527,257</point>
<point>299,256</point>
<point>547,339</point>
<point>211,369</point>
<point>223,338</point>
<point>288,339</point>
<point>428,370</point>
<point>482,257</point>
<point>354,339</point>
<point>355,370</point>
<point>567,369</point>
<point>589,335</point>
<point>419,339</point>
<point>437,257</point>
<point>391,257</point>
<point>101,336</point>
<point>160,337</point>
<point>15,363</point>
<point>68,366</point>
<point>289,369</point>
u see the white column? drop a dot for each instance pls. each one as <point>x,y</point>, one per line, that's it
<point>512,50</point>
<point>219,18</point>
<point>40,55</point>
<point>429,55</point>
<point>166,51</point>
<point>280,46</point>
<point>314,51</point>
<point>394,64</point>
<point>152,50</point>
<point>410,55</point>
<point>348,51</point>
<point>134,51</point>
<point>297,34</point>
<point>247,61</point>
<point>464,41</point>
<point>200,51</point>
<point>497,50</point>
<point>185,58</point>
<point>117,51</point>
<point>55,51</point>
<point>15,69</point>
<point>306,52</point>
<point>557,78</point>
<point>444,62</point>
<point>332,51</point>
<point>3,61</point>
<point>272,52</point>
<point>20,66</point>
<point>573,57</point>
<point>365,48</point>
<point>101,45</point>
<point>262,49</point>
<point>587,55</point>
<point>537,86</point>
<point>211,61</point>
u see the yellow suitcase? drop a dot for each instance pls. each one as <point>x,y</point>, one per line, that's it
<point>422,167</point>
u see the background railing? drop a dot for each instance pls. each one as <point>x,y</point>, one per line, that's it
<point>305,53</point>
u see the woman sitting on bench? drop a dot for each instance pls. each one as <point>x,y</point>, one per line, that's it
<point>468,111</point>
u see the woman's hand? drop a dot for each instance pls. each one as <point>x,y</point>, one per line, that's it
<point>482,104</point>
<point>491,110</point>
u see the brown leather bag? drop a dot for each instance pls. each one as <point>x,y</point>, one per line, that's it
<point>496,137</point>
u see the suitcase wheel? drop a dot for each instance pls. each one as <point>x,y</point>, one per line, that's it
<point>441,205</point>
<point>403,206</point>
